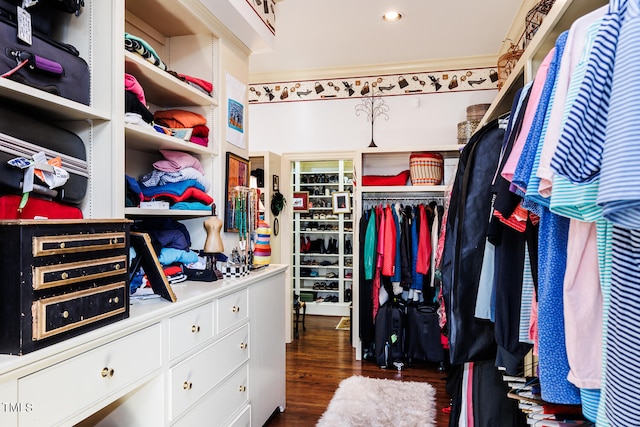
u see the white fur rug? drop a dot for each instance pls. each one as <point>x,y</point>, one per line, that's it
<point>372,402</point>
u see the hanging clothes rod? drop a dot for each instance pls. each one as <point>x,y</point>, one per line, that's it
<point>402,196</point>
<point>371,199</point>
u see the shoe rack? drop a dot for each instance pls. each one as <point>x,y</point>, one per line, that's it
<point>322,237</point>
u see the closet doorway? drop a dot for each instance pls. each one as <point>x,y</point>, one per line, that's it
<point>318,234</point>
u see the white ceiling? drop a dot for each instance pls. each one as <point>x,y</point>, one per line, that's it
<point>339,34</point>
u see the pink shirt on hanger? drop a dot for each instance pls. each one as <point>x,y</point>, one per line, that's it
<point>530,112</point>
<point>570,58</point>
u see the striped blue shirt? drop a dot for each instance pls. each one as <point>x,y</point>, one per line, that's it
<point>584,131</point>
<point>619,193</point>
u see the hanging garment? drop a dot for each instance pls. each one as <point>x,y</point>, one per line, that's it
<point>623,366</point>
<point>577,42</point>
<point>479,395</point>
<point>553,363</point>
<point>417,279</point>
<point>509,266</point>
<point>406,254</point>
<point>526,176</point>
<point>424,243</point>
<point>585,127</point>
<point>506,201</point>
<point>370,245</point>
<point>389,246</point>
<point>620,167</point>
<point>527,121</point>
<point>397,263</point>
<point>470,339</point>
<point>365,302</point>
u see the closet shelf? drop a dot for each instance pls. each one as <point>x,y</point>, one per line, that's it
<point>56,107</point>
<point>404,189</point>
<point>183,214</point>
<point>560,17</point>
<point>161,88</point>
<point>141,139</point>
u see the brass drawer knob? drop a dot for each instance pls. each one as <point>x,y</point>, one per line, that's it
<point>242,388</point>
<point>243,345</point>
<point>62,245</point>
<point>64,275</point>
<point>114,241</point>
<point>117,266</point>
<point>187,385</point>
<point>235,309</point>
<point>65,314</point>
<point>106,372</point>
<point>195,329</point>
<point>114,300</point>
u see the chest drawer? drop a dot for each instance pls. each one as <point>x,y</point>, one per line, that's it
<point>49,276</point>
<point>220,403</point>
<point>76,243</point>
<point>61,278</point>
<point>52,316</point>
<point>189,329</point>
<point>232,310</point>
<point>194,377</point>
<point>84,380</point>
<point>242,420</point>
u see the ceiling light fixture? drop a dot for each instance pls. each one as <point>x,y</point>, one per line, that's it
<point>391,16</point>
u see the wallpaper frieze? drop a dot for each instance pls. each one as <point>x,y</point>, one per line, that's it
<point>388,85</point>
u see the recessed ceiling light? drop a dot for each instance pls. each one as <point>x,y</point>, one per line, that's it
<point>392,15</point>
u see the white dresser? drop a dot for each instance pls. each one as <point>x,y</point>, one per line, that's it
<point>216,357</point>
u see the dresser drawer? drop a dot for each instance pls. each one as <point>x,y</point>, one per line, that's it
<point>49,276</point>
<point>231,310</point>
<point>75,243</point>
<point>55,315</point>
<point>189,329</point>
<point>242,420</point>
<point>220,403</point>
<point>194,377</point>
<point>64,389</point>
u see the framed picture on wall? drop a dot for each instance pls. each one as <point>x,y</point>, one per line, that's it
<point>300,201</point>
<point>341,202</point>
<point>237,176</point>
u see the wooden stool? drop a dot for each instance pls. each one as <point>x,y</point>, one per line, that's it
<point>297,306</point>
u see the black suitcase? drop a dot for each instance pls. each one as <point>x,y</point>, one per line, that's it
<point>22,136</point>
<point>47,65</point>
<point>389,336</point>
<point>423,341</point>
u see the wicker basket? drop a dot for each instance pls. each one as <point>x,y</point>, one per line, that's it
<point>426,168</point>
<point>477,111</point>
<point>506,63</point>
<point>534,19</point>
<point>466,129</point>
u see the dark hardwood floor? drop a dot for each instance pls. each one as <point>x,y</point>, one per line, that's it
<point>321,358</point>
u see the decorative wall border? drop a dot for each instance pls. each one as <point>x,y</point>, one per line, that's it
<point>266,11</point>
<point>460,80</point>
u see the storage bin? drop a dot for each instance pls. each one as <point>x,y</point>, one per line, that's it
<point>466,129</point>
<point>477,111</point>
<point>426,168</point>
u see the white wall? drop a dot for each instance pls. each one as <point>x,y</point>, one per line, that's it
<point>332,125</point>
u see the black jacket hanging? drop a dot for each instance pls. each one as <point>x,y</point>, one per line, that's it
<point>470,339</point>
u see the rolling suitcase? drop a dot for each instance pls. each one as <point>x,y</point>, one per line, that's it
<point>389,336</point>
<point>23,136</point>
<point>423,334</point>
<point>47,64</point>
